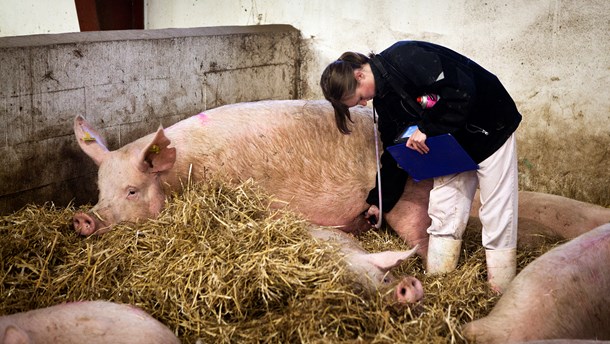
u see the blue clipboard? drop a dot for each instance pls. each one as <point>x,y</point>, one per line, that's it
<point>446,156</point>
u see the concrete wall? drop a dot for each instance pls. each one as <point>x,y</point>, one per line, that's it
<point>30,17</point>
<point>552,55</point>
<point>127,83</point>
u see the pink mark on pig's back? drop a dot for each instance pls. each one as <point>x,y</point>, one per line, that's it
<point>202,117</point>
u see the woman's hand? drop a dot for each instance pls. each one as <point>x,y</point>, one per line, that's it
<point>417,141</point>
<point>372,215</point>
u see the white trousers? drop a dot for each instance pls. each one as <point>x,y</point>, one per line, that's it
<point>497,179</point>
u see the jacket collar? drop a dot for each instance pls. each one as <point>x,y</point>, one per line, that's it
<point>382,87</point>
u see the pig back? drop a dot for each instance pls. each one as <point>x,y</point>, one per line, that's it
<point>292,148</point>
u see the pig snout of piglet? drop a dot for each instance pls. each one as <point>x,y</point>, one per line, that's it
<point>408,290</point>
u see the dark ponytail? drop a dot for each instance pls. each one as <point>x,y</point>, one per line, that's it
<point>338,83</point>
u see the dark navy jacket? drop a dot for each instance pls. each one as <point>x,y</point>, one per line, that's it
<point>474,106</point>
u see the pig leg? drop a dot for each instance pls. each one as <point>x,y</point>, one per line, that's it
<point>13,334</point>
<point>409,217</point>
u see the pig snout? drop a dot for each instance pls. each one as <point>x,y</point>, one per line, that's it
<point>84,224</point>
<point>409,290</point>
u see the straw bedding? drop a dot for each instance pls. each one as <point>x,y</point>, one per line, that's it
<point>218,266</point>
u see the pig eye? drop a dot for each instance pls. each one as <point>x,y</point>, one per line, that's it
<point>388,278</point>
<point>131,192</point>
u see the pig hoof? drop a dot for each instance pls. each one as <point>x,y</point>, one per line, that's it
<point>409,290</point>
<point>83,224</point>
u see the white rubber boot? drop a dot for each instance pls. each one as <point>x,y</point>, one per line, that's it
<point>501,268</point>
<point>443,254</point>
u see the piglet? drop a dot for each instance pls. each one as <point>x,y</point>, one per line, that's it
<point>563,294</point>
<point>84,322</point>
<point>372,270</point>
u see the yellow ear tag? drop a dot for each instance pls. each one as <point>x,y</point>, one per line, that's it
<point>154,149</point>
<point>88,137</point>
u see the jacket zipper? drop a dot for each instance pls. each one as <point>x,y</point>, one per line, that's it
<point>477,129</point>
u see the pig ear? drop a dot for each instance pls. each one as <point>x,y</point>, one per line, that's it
<point>157,156</point>
<point>89,140</point>
<point>388,259</point>
<point>13,334</point>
